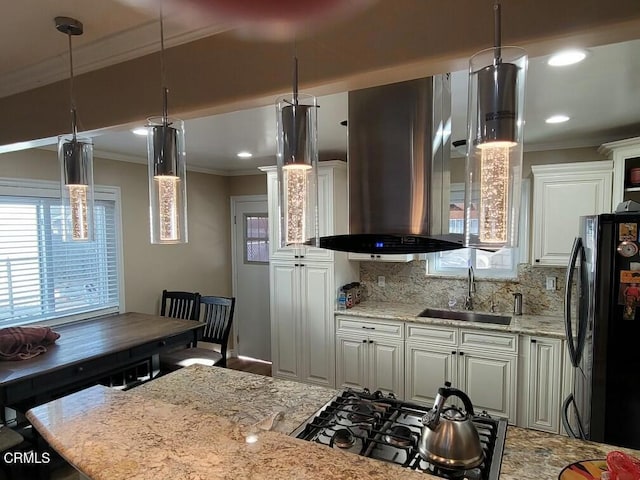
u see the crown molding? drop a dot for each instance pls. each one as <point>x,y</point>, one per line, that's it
<point>123,46</point>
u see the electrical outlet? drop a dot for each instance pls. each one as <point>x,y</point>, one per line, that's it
<point>551,283</point>
<point>381,281</point>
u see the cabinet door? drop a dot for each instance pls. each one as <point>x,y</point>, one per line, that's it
<point>285,311</point>
<point>386,366</point>
<point>325,215</point>
<point>490,382</point>
<point>317,325</point>
<point>427,368</point>
<point>559,201</point>
<point>544,384</point>
<point>351,362</point>
<point>276,252</point>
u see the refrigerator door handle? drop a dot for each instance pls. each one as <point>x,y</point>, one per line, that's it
<point>568,402</point>
<point>575,251</point>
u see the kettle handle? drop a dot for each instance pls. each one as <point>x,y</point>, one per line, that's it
<point>450,391</point>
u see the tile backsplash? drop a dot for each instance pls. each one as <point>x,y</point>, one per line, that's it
<point>408,283</point>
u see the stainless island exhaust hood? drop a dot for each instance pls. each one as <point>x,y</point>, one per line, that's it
<point>398,171</point>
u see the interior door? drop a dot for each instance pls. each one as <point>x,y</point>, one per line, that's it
<point>251,277</point>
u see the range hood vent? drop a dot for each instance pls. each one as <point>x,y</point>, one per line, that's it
<point>398,169</point>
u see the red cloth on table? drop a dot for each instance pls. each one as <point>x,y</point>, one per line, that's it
<point>22,343</point>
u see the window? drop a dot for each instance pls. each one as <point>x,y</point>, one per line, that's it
<point>256,238</point>
<point>44,278</point>
<point>500,264</point>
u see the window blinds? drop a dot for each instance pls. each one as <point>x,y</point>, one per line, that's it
<point>44,278</point>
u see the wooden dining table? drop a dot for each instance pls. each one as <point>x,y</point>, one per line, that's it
<point>90,350</point>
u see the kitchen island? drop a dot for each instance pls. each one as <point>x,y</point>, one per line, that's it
<point>207,423</point>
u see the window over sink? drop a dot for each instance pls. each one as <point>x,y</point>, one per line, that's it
<point>500,264</point>
<point>43,278</point>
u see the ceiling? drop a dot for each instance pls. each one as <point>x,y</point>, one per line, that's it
<point>600,94</point>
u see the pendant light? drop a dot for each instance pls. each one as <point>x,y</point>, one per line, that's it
<point>75,156</point>
<point>297,158</point>
<point>494,153</point>
<point>167,170</point>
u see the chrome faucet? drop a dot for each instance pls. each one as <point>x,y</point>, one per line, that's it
<point>468,301</point>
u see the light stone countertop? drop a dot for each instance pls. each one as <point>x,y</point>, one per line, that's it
<point>522,324</point>
<point>156,433</point>
<point>241,397</point>
<point>111,435</point>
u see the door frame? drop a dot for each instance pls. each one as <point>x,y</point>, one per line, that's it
<point>235,201</point>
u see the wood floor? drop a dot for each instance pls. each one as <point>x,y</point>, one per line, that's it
<point>249,366</point>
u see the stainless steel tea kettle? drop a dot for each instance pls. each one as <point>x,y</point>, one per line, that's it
<point>449,439</point>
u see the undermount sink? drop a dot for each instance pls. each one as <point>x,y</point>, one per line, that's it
<point>465,316</point>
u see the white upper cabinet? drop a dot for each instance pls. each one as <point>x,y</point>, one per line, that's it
<point>626,156</point>
<point>562,193</point>
<point>332,211</point>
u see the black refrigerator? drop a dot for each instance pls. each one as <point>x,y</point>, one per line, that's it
<point>602,320</point>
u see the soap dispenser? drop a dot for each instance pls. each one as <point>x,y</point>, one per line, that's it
<point>517,303</point>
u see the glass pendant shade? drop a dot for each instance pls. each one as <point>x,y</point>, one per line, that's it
<point>167,181</point>
<point>75,156</point>
<point>297,156</point>
<point>494,153</point>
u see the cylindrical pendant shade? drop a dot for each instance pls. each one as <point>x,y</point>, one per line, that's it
<point>297,155</point>
<point>494,153</point>
<point>167,181</point>
<point>75,156</point>
<point>497,99</point>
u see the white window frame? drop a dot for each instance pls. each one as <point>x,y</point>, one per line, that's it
<point>520,255</point>
<point>246,238</point>
<point>43,188</point>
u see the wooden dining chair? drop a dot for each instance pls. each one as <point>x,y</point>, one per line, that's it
<point>217,314</point>
<point>184,305</point>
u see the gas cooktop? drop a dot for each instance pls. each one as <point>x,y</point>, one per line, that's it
<point>387,429</point>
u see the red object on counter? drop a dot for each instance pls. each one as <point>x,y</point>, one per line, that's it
<point>622,466</point>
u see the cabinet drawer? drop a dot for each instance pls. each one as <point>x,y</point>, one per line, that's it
<point>503,342</point>
<point>437,335</point>
<point>160,345</point>
<point>370,327</point>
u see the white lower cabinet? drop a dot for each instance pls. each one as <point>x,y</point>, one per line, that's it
<point>483,364</point>
<point>520,377</point>
<point>541,387</point>
<point>370,354</point>
<point>302,338</point>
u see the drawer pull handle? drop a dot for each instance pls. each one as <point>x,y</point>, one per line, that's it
<point>364,341</point>
<point>368,328</point>
<point>453,352</point>
<point>460,353</point>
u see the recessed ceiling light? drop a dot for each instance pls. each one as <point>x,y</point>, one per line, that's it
<point>557,119</point>
<point>142,131</point>
<point>567,57</point>
<point>245,154</point>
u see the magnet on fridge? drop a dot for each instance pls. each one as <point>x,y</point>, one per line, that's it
<point>627,249</point>
<point>628,232</point>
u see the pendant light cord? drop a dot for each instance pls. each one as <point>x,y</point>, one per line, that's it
<point>497,34</point>
<point>163,73</point>
<point>72,101</point>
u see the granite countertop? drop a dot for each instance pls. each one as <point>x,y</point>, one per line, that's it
<point>173,428</point>
<point>245,399</point>
<point>522,324</point>
<point>112,435</point>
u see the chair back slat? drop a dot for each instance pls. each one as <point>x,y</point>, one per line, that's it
<point>184,305</point>
<point>217,314</point>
